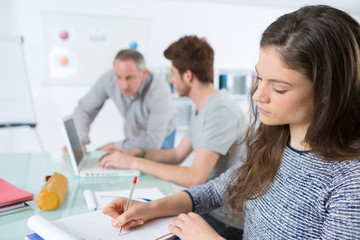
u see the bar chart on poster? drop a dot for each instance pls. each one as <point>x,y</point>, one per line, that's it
<point>16,103</point>
<point>78,48</point>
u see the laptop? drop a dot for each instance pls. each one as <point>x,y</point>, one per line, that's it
<point>85,164</point>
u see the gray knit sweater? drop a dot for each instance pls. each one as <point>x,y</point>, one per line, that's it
<point>308,199</point>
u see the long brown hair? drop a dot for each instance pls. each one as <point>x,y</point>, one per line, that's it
<point>323,43</point>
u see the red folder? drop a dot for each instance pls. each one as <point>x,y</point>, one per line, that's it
<point>9,194</point>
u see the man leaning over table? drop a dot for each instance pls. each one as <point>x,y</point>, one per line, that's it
<point>143,100</point>
<point>216,125</point>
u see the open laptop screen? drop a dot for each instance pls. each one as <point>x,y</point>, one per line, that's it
<point>74,139</point>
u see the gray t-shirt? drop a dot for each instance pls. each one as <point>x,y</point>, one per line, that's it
<point>149,115</point>
<point>218,125</point>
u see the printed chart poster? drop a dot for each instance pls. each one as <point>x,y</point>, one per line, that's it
<point>64,35</point>
<point>62,63</point>
<point>78,49</point>
<point>97,36</point>
<point>137,44</point>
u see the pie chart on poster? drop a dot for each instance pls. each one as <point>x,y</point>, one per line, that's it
<point>64,61</point>
<point>64,35</point>
<point>133,45</point>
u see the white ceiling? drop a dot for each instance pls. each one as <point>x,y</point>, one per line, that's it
<point>350,6</point>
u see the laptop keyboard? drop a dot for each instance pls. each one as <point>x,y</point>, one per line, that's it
<point>93,169</point>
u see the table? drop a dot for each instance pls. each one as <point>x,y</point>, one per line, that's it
<point>28,170</point>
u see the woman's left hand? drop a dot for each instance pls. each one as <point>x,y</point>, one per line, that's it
<point>192,226</point>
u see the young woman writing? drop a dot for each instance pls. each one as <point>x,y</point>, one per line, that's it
<point>301,174</point>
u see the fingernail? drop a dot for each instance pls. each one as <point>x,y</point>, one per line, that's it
<point>116,224</point>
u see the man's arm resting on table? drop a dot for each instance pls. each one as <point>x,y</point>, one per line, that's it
<point>204,161</point>
<point>171,156</point>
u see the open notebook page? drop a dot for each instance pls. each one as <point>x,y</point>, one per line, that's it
<point>95,226</point>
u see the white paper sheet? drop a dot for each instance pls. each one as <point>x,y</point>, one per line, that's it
<point>95,226</point>
<point>47,229</point>
<point>141,194</point>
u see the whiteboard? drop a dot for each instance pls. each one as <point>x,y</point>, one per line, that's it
<point>79,48</point>
<point>16,104</point>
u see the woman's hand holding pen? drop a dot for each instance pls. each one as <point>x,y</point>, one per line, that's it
<point>136,214</point>
<point>186,226</point>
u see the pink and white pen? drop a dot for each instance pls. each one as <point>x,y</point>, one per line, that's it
<point>129,199</point>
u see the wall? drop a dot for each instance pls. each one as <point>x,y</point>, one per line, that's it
<point>6,14</point>
<point>233,31</point>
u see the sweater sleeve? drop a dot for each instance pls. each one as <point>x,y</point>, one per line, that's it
<point>90,105</point>
<point>211,195</point>
<point>159,115</point>
<point>342,220</point>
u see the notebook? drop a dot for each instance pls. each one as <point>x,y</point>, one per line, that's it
<point>12,198</point>
<point>94,226</point>
<point>13,208</point>
<point>10,194</point>
<point>85,164</point>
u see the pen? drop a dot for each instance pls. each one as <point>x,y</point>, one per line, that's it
<point>142,199</point>
<point>129,199</point>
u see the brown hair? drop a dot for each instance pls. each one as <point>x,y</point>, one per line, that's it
<point>323,43</point>
<point>193,53</point>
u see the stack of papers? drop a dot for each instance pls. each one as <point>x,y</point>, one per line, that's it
<point>13,199</point>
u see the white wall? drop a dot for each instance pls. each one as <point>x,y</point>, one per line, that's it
<point>233,31</point>
<point>6,14</point>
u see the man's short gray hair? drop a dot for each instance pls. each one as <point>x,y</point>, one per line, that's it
<point>134,55</point>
